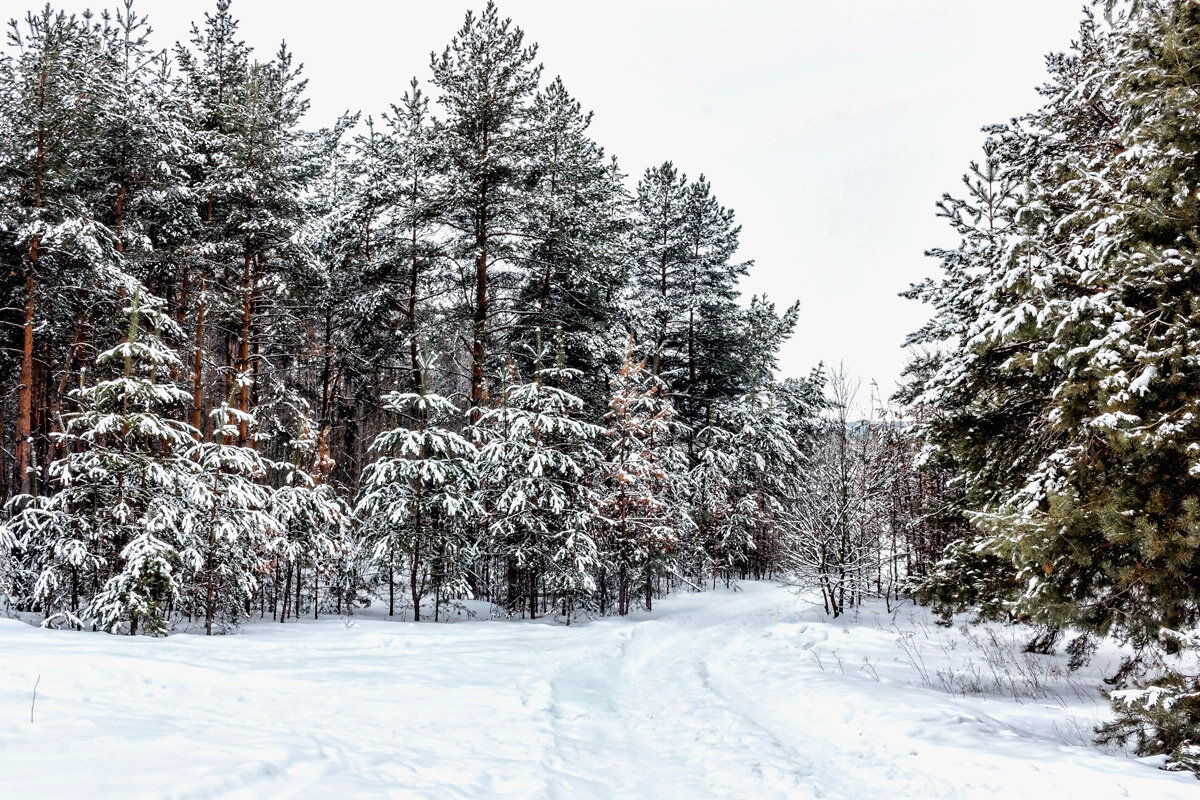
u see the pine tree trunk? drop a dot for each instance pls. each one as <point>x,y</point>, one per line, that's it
<point>198,366</point>
<point>24,428</point>
<point>478,389</point>
<point>533,595</point>
<point>287,594</point>
<point>243,365</point>
<point>413,286</point>
<point>414,582</point>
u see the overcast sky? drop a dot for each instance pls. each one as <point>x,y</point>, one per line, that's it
<point>830,127</point>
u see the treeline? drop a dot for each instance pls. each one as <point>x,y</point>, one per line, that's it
<point>1059,383</point>
<point>254,369</point>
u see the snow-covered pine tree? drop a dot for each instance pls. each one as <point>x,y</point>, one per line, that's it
<point>1103,534</point>
<point>534,458</point>
<point>746,480</point>
<point>714,465</point>
<point>313,524</point>
<point>710,321</point>
<point>684,289</point>
<point>227,521</point>
<point>106,543</point>
<point>574,270</point>
<point>410,261</point>
<point>642,493</point>
<point>255,163</point>
<point>418,496</point>
<point>143,150</point>
<point>658,251</point>
<point>970,424</point>
<point>63,261</point>
<point>487,80</point>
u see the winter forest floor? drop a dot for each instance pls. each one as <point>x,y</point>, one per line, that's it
<point>747,694</point>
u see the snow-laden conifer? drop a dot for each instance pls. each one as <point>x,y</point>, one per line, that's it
<point>418,495</point>
<point>534,460</point>
<point>228,524</point>
<point>106,544</point>
<point>643,483</point>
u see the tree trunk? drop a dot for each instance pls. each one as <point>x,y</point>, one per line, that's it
<point>198,366</point>
<point>478,387</point>
<point>24,449</point>
<point>243,365</point>
<point>414,583</point>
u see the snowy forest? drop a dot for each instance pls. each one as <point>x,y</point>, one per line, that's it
<point>446,352</point>
<point>450,351</point>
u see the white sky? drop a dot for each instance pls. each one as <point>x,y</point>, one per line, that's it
<point>830,127</point>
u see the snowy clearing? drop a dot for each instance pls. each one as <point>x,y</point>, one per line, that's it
<point>748,694</point>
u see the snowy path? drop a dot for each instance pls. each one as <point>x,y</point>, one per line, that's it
<point>721,695</point>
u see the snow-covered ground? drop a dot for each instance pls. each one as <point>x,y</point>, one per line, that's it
<point>748,694</point>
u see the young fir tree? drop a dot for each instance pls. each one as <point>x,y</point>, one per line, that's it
<point>643,501</point>
<point>534,458</point>
<point>109,537</point>
<point>418,496</point>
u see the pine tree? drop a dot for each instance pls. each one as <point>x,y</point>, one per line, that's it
<point>255,164</point>
<point>574,269</point>
<point>533,461</point>
<point>64,261</point>
<point>228,521</point>
<point>418,496</point>
<point>659,250</point>
<point>312,527</point>
<point>108,535</point>
<point>684,289</point>
<point>643,504</point>
<point>487,81</point>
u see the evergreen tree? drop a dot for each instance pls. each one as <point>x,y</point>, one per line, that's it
<point>487,80</point>
<point>533,462</point>
<point>63,260</point>
<point>256,164</point>
<point>110,532</point>
<point>659,250</point>
<point>418,496</point>
<point>643,504</point>
<point>228,521</point>
<point>574,269</point>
